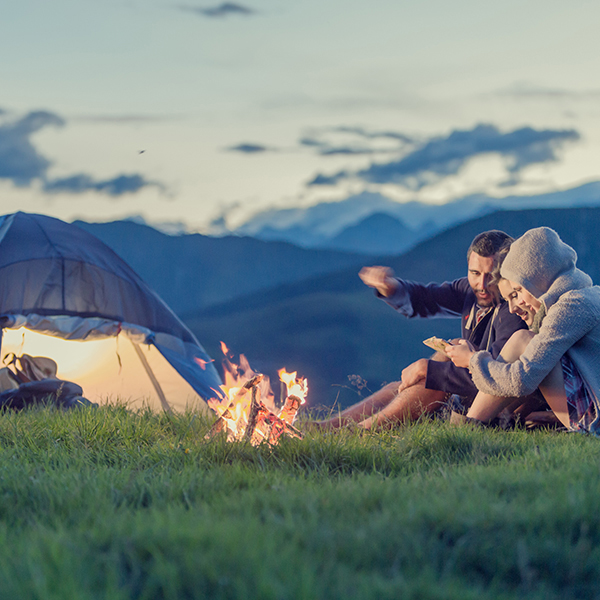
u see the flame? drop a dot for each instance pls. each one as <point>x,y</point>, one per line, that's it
<point>295,387</point>
<point>246,409</point>
<point>202,362</point>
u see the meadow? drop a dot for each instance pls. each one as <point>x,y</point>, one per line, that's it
<point>106,503</point>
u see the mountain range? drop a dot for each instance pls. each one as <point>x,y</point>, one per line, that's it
<point>349,224</point>
<point>195,271</point>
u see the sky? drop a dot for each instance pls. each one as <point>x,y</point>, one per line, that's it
<point>207,113</point>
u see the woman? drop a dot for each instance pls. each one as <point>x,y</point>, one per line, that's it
<point>563,357</point>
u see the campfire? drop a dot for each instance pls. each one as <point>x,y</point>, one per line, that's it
<point>247,412</point>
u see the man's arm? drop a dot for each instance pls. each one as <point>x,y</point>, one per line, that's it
<point>416,300</point>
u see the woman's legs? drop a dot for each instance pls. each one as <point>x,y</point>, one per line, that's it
<point>485,406</point>
<point>553,389</point>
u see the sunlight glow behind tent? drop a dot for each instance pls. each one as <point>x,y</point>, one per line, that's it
<point>74,358</point>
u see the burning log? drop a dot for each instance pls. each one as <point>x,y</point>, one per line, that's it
<point>262,418</point>
<point>219,425</point>
<point>251,420</point>
<point>253,414</point>
<point>290,409</point>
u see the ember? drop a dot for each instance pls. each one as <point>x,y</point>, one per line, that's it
<point>248,412</point>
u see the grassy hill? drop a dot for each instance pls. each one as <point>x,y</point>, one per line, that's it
<point>330,327</point>
<point>107,504</point>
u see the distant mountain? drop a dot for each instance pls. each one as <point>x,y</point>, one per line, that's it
<point>317,226</point>
<point>194,271</point>
<point>378,234</point>
<point>332,326</point>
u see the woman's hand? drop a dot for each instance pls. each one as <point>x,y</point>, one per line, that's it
<point>460,353</point>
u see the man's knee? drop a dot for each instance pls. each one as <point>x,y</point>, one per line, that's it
<point>391,387</point>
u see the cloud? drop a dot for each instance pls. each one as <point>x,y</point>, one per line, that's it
<point>325,149</point>
<point>19,160</point>
<point>321,179</point>
<point>78,184</point>
<point>361,131</point>
<point>21,163</point>
<point>355,141</point>
<point>443,156</point>
<point>525,91</point>
<point>249,148</point>
<point>127,119</point>
<point>222,10</point>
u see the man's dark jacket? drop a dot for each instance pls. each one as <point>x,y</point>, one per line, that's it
<point>455,299</point>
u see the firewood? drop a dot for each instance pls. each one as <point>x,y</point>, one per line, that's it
<point>254,381</point>
<point>260,431</point>
<point>290,409</point>
<point>219,425</point>
<point>253,411</point>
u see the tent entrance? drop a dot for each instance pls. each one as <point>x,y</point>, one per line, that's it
<point>110,369</point>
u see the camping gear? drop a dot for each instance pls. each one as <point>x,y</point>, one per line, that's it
<point>27,368</point>
<point>65,295</point>
<point>34,382</point>
<point>46,392</point>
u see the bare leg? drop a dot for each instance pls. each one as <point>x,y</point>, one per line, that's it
<point>361,410</point>
<point>553,388</point>
<point>485,406</point>
<point>394,405</point>
<point>409,404</point>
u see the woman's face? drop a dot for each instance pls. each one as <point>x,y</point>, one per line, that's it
<point>520,301</point>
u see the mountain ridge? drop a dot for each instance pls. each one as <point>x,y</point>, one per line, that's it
<point>193,270</point>
<point>317,225</point>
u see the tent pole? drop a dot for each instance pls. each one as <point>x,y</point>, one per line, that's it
<point>159,391</point>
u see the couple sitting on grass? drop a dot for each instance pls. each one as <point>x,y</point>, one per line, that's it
<point>530,337</point>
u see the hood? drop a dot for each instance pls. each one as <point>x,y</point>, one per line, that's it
<point>544,265</point>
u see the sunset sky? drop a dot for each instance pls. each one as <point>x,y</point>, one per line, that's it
<point>196,112</point>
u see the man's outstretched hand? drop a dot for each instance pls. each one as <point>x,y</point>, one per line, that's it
<point>380,278</point>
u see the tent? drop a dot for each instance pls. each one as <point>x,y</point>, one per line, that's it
<point>64,294</point>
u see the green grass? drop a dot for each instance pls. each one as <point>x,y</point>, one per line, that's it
<point>103,503</point>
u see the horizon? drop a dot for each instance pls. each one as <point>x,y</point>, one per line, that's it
<point>210,113</point>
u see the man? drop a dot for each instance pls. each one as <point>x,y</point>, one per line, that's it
<point>427,383</point>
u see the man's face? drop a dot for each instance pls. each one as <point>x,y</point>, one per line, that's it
<point>525,311</point>
<point>480,270</point>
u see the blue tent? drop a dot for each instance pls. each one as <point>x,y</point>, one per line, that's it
<point>58,280</point>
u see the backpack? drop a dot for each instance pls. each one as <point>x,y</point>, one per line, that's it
<point>37,384</point>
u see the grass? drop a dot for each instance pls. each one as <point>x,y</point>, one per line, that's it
<point>104,503</point>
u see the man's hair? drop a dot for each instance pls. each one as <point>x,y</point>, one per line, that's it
<point>488,243</point>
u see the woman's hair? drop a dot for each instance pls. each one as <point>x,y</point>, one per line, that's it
<point>495,277</point>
